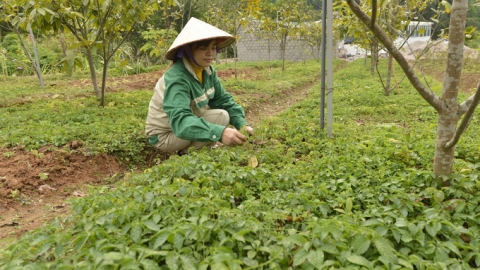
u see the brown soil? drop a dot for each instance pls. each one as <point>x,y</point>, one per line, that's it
<point>34,186</point>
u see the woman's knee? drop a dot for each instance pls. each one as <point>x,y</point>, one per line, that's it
<point>217,116</point>
<point>171,143</point>
<point>224,118</point>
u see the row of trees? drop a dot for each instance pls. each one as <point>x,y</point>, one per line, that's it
<point>92,33</point>
<point>153,31</point>
<point>99,28</point>
<point>154,26</point>
<point>392,15</point>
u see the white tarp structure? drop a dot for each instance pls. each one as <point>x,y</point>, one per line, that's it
<point>416,33</point>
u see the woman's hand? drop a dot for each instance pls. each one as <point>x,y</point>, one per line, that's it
<point>231,136</point>
<point>249,130</point>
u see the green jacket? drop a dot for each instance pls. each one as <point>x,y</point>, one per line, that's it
<point>179,99</point>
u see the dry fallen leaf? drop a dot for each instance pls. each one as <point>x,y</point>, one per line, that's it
<point>79,193</point>
<point>253,162</point>
<point>42,188</point>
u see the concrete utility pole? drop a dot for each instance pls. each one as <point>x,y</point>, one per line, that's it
<point>37,61</point>
<point>330,51</point>
<point>327,45</point>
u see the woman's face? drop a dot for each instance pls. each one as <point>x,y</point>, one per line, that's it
<point>205,52</point>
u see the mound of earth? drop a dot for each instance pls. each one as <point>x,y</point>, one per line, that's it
<point>34,184</point>
<point>431,49</point>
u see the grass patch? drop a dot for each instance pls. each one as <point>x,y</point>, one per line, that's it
<point>117,128</point>
<point>267,80</point>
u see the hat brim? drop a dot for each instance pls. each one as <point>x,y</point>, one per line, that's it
<point>196,30</point>
<point>170,55</point>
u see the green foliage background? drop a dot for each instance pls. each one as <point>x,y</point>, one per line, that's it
<point>150,40</point>
<point>364,199</point>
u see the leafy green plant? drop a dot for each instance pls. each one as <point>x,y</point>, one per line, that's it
<point>20,197</point>
<point>157,41</point>
<point>3,61</point>
<point>43,176</point>
<point>9,154</point>
<point>365,198</point>
<point>37,154</point>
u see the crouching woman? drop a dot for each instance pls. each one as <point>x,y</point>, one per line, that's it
<point>190,107</point>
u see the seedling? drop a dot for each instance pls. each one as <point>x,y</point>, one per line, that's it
<point>43,176</point>
<point>37,154</point>
<point>9,154</point>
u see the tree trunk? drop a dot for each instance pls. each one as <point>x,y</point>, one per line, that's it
<point>93,72</point>
<point>27,53</point>
<point>319,47</point>
<point>235,61</point>
<point>443,159</point>
<point>388,87</point>
<point>283,45</point>
<point>389,75</point>
<point>374,59</point>
<point>447,107</point>
<point>36,66</point>
<point>448,117</point>
<point>104,82</point>
<point>61,38</point>
<point>269,56</point>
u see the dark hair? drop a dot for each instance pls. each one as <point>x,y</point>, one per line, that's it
<point>194,45</point>
<point>200,43</point>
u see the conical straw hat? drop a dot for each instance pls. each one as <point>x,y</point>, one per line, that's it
<point>196,30</point>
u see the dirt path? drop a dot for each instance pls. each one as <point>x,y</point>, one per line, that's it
<point>35,185</point>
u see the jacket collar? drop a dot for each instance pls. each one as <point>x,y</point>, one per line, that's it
<point>190,69</point>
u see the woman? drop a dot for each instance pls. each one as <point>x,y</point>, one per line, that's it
<point>190,107</point>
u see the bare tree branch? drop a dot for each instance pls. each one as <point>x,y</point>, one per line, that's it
<point>472,105</point>
<point>374,13</point>
<point>427,95</point>
<point>463,107</point>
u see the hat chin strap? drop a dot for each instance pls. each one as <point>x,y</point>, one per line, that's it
<point>186,50</point>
